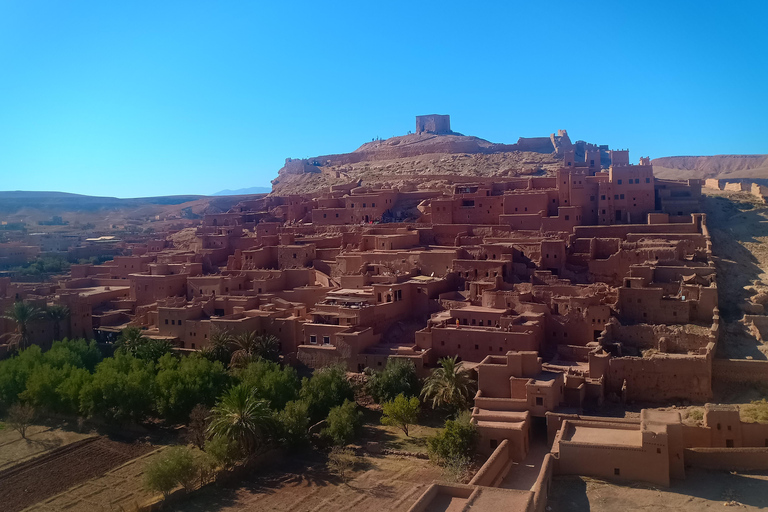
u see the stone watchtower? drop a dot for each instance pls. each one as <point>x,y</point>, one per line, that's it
<point>434,123</point>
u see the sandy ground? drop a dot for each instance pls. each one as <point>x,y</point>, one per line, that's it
<point>738,225</point>
<point>701,490</point>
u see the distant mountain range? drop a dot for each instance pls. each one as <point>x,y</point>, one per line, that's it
<point>244,191</point>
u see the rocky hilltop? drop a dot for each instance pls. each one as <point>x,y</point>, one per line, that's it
<point>717,166</point>
<point>426,160</point>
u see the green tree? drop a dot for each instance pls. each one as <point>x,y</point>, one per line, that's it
<point>268,347</point>
<point>130,339</point>
<point>57,314</point>
<point>398,377</point>
<point>271,382</point>
<point>24,314</point>
<point>78,353</point>
<point>244,352</point>
<point>15,371</point>
<point>242,418</point>
<point>401,412</point>
<point>342,423</point>
<point>293,420</point>
<point>183,383</point>
<point>218,348</point>
<point>222,450</point>
<point>456,441</point>
<point>448,385</point>
<point>122,389</point>
<point>175,466</point>
<point>327,388</point>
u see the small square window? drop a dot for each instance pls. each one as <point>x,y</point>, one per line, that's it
<point>312,339</point>
<point>619,182</point>
<point>326,340</point>
<point>617,471</point>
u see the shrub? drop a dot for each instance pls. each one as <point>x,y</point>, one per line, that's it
<point>327,388</point>
<point>343,423</point>
<point>456,440</point>
<point>401,412</point>
<point>183,383</point>
<point>269,382</point>
<point>399,377</point>
<point>222,450</point>
<point>122,389</point>
<point>757,411</point>
<point>177,465</point>
<point>294,423</point>
<point>341,462</point>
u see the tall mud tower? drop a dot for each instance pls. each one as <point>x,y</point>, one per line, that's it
<point>437,124</point>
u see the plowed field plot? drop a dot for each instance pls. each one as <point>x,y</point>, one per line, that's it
<point>37,479</point>
<point>382,483</point>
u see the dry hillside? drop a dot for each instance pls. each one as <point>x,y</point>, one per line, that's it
<point>718,166</point>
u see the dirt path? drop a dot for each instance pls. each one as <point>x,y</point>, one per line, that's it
<point>738,226</point>
<point>37,479</point>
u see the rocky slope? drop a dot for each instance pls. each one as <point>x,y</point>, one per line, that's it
<point>417,160</point>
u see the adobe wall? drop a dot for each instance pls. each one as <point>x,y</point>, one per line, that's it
<point>543,483</point>
<point>727,459</point>
<point>491,470</point>
<point>740,370</point>
<point>641,463</point>
<point>662,377</point>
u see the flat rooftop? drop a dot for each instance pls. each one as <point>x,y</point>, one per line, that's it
<point>605,436</point>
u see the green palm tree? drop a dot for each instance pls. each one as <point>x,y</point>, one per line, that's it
<point>58,314</point>
<point>218,346</point>
<point>130,340</point>
<point>23,314</point>
<point>240,417</point>
<point>268,347</point>
<point>449,385</point>
<point>246,345</point>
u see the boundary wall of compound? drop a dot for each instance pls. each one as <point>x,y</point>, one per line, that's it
<point>740,370</point>
<point>728,459</point>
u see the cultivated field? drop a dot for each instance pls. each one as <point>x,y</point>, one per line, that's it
<point>381,483</point>
<point>62,468</point>
<point>119,489</point>
<point>40,439</point>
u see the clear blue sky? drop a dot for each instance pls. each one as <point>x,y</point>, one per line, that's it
<point>138,98</point>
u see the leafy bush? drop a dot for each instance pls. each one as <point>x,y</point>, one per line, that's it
<point>757,411</point>
<point>401,412</point>
<point>455,441</point>
<point>327,388</point>
<point>399,377</point>
<point>178,465</point>
<point>183,383</point>
<point>269,382</point>
<point>342,423</point>
<point>122,389</point>
<point>294,423</point>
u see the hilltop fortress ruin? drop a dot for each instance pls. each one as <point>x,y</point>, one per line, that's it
<point>587,281</point>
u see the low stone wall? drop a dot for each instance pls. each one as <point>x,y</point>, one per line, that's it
<point>729,459</point>
<point>740,370</point>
